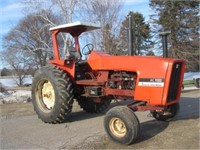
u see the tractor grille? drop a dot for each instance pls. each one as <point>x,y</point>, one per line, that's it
<point>174,82</point>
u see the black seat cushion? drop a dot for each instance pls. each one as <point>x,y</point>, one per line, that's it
<point>83,63</point>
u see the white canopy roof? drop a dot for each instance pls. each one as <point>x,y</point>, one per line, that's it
<point>78,24</point>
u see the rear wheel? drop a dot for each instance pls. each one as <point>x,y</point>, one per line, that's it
<point>170,112</point>
<point>90,106</point>
<point>122,125</point>
<point>52,94</point>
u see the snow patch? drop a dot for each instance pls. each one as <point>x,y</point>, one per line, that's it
<point>21,96</point>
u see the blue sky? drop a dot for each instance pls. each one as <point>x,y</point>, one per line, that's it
<point>11,13</point>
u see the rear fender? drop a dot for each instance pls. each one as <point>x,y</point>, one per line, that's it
<point>66,65</point>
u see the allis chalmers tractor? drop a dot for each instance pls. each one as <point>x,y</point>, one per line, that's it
<point>153,83</point>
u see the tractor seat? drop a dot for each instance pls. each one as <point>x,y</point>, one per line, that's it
<point>83,63</point>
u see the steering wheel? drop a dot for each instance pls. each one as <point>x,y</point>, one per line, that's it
<point>87,49</point>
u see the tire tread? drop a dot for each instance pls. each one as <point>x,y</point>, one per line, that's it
<point>65,94</point>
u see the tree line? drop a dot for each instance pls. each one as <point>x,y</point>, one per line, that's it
<point>29,44</point>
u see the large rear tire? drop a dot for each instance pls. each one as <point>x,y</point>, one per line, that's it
<point>90,106</point>
<point>122,125</point>
<point>52,94</point>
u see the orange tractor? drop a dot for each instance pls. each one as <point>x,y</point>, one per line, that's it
<point>153,83</point>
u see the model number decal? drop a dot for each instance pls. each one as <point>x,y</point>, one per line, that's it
<point>155,82</point>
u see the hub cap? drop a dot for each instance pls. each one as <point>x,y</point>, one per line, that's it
<point>117,127</point>
<point>45,95</point>
<point>48,95</point>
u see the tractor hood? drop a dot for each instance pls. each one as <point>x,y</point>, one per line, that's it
<point>155,75</point>
<point>145,66</point>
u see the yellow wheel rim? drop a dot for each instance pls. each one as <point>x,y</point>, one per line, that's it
<point>48,95</point>
<point>45,95</point>
<point>117,127</point>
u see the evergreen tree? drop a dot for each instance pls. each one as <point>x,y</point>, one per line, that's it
<point>182,19</point>
<point>142,33</point>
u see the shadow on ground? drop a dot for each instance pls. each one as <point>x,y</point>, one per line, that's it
<point>81,115</point>
<point>189,108</point>
<point>150,129</point>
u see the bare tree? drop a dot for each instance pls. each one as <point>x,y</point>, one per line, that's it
<point>64,10</point>
<point>102,12</point>
<point>106,14</point>
<point>19,61</point>
<point>32,34</point>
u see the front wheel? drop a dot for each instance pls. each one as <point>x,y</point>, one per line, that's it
<point>122,125</point>
<point>164,115</point>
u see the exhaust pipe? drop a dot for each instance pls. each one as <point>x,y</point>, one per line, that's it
<point>164,35</point>
<point>131,51</point>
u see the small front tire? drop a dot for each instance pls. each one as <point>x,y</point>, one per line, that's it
<point>122,125</point>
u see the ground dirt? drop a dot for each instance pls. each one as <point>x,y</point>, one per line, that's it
<point>21,129</point>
